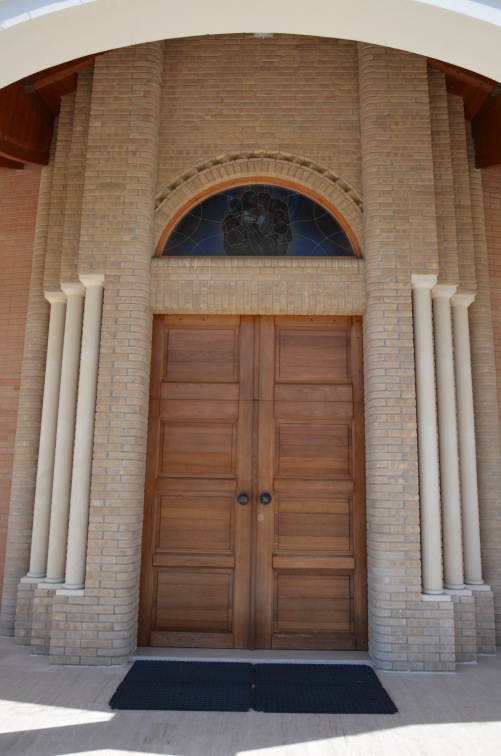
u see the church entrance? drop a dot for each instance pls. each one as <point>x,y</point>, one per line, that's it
<point>254,527</point>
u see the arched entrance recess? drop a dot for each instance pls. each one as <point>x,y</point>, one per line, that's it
<point>254,530</point>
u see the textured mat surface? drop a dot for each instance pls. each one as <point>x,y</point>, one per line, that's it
<point>235,686</point>
<point>185,686</point>
<point>319,689</point>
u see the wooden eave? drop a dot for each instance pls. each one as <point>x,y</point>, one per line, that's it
<point>28,109</point>
<point>482,106</point>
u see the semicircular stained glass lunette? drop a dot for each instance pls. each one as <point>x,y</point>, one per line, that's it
<point>258,220</point>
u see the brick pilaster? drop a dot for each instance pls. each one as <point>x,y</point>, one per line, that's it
<point>443,179</point>
<point>401,239</point>
<point>485,397</point>
<point>117,240</point>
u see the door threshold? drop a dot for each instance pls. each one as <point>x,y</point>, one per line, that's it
<point>256,656</point>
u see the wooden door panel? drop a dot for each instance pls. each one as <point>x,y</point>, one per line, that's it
<point>314,611</point>
<point>313,449</point>
<point>313,603</point>
<point>198,448</point>
<point>190,522</point>
<point>194,600</point>
<point>313,525</point>
<point>196,353</point>
<point>311,356</point>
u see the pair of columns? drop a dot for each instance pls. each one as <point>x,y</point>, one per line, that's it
<point>447,452</point>
<point>62,493</point>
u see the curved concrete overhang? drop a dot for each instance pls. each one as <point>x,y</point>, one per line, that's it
<point>38,34</point>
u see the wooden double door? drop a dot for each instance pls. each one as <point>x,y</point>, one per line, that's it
<point>254,530</point>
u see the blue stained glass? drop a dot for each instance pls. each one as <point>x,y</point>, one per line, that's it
<point>258,220</point>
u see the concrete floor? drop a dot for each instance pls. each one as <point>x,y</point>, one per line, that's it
<point>52,710</point>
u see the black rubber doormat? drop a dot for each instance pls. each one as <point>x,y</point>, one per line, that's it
<point>238,686</point>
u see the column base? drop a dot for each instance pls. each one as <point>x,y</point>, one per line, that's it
<point>69,590</point>
<point>435,597</point>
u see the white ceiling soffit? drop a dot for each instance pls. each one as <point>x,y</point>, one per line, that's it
<point>38,34</point>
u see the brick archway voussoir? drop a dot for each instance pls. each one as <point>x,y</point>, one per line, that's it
<point>301,173</point>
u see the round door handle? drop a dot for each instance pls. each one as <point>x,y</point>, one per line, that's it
<point>243,498</point>
<point>265,498</point>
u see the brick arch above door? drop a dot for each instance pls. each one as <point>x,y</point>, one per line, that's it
<point>304,175</point>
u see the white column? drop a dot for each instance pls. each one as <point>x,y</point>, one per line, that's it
<point>467,446</point>
<point>84,433</point>
<point>429,489</point>
<point>58,532</point>
<point>448,437</point>
<point>48,425</point>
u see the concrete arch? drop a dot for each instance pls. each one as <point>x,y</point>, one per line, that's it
<point>37,34</point>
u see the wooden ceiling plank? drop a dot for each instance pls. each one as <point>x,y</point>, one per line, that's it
<point>486,129</point>
<point>51,95</point>
<point>469,77</point>
<point>475,103</point>
<point>58,73</point>
<point>25,126</point>
<point>488,161</point>
<point>489,115</point>
<point>23,154</point>
<point>10,164</point>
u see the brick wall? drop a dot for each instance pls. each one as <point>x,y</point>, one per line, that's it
<point>297,94</point>
<point>18,203</point>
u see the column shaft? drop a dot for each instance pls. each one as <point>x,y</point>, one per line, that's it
<point>65,434</point>
<point>84,433</point>
<point>46,454</point>
<point>467,443</point>
<point>447,437</point>
<point>429,489</point>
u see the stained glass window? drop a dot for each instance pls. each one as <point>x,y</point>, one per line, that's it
<point>258,220</point>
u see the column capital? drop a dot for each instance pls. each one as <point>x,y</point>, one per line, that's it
<point>73,288</point>
<point>423,281</point>
<point>462,300</point>
<point>92,279</point>
<point>55,297</point>
<point>445,291</point>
